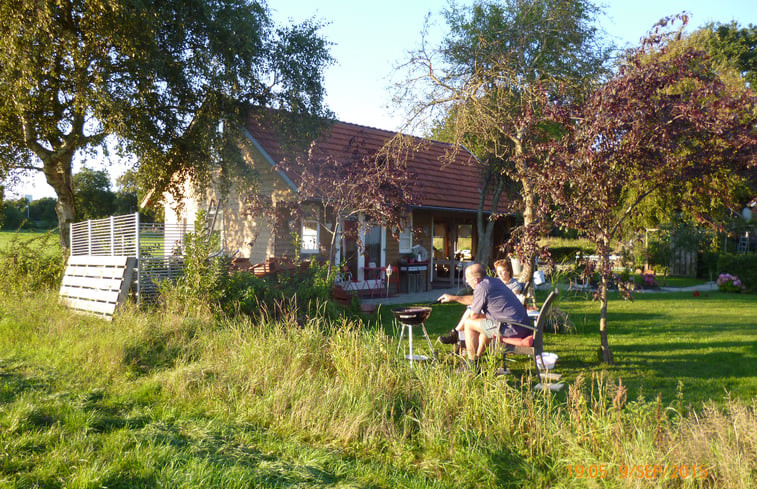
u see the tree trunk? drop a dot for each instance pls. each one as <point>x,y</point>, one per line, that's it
<point>485,227</point>
<point>59,176</point>
<point>485,230</point>
<point>332,247</point>
<point>606,353</point>
<point>527,260</point>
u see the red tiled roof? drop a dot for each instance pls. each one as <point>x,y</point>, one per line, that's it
<point>442,183</point>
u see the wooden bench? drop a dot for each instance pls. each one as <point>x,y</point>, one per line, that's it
<point>97,284</point>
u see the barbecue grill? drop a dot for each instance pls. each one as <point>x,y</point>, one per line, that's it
<point>409,317</point>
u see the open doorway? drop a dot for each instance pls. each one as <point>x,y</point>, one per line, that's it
<point>454,244</point>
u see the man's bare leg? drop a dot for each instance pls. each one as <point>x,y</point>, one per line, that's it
<point>471,341</point>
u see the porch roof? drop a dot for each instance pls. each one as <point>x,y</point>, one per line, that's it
<point>447,178</point>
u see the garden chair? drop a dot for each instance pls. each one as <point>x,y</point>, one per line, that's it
<point>532,345</point>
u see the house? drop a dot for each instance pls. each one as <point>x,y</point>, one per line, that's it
<point>441,234</point>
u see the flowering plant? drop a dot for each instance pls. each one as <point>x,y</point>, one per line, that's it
<point>729,283</point>
<point>649,282</point>
<point>646,281</point>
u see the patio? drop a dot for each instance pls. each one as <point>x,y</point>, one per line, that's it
<point>415,298</point>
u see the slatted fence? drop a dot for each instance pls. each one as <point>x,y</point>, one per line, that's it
<point>155,247</point>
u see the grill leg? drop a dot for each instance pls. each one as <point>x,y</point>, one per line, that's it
<point>428,340</point>
<point>410,338</point>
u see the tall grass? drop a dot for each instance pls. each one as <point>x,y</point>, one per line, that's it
<point>157,399</point>
<point>29,262</point>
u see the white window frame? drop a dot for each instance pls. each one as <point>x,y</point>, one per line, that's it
<point>310,224</point>
<point>406,237</point>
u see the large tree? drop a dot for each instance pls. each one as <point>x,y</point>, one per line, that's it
<point>733,55</point>
<point>93,196</point>
<point>491,80</point>
<point>667,123</point>
<point>157,76</point>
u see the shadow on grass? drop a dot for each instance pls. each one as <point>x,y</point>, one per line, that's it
<point>14,381</point>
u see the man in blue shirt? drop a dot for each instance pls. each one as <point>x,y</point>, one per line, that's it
<point>493,307</point>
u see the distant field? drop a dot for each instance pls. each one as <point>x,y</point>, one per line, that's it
<point>6,237</point>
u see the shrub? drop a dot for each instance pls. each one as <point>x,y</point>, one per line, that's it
<point>729,283</point>
<point>304,290</point>
<point>202,286</point>
<point>207,287</point>
<point>31,264</point>
<point>746,266</point>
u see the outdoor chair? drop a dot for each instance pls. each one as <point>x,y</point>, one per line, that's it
<point>532,345</point>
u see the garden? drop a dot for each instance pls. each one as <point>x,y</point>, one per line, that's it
<point>208,397</point>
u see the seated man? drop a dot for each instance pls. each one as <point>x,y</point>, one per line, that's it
<point>493,306</point>
<point>504,271</point>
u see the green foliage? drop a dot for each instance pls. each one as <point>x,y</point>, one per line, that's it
<point>207,286</point>
<point>28,264</point>
<point>156,400</point>
<point>94,199</point>
<point>745,266</point>
<point>13,214</point>
<point>201,288</point>
<point>735,45</point>
<point>41,214</point>
<point>156,77</point>
<point>565,250</point>
<point>304,290</point>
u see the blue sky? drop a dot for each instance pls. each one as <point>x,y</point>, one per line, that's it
<point>371,38</point>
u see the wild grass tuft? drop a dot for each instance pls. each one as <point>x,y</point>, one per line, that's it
<point>156,399</point>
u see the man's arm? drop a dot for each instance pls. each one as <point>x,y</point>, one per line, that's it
<point>466,300</point>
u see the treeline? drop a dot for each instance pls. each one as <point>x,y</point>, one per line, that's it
<point>94,200</point>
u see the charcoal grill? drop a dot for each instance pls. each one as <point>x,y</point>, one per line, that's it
<point>409,317</point>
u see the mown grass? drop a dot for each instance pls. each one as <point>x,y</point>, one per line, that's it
<point>668,343</point>
<point>153,399</point>
<point>8,236</point>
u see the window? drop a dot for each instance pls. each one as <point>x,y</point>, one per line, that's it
<point>309,236</point>
<point>406,237</point>
<point>373,245</point>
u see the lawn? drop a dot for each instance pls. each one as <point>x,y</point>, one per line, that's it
<point>672,343</point>
<point>158,399</point>
<point>7,237</point>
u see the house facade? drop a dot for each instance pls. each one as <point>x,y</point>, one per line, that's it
<point>432,250</point>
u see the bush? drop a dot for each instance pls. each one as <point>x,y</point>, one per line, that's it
<point>563,252</point>
<point>207,287</point>
<point>745,265</point>
<point>201,288</point>
<point>31,264</point>
<point>305,291</point>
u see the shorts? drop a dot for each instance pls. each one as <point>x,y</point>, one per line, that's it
<point>510,331</point>
<point>490,327</point>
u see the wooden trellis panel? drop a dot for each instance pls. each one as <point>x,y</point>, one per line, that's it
<point>97,284</point>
